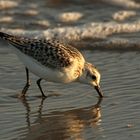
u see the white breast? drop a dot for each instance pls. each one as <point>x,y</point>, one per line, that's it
<point>54,75</point>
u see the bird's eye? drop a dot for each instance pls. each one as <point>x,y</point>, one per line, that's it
<point>93,77</point>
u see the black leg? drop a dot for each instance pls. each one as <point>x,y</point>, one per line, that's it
<point>38,83</point>
<point>28,83</point>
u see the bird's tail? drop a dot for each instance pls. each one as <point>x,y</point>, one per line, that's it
<point>19,42</point>
<point>13,40</point>
<point>10,38</point>
<point>5,36</point>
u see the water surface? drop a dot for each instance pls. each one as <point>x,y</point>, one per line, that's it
<point>73,111</point>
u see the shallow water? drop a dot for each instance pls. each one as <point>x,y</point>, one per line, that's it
<point>107,32</point>
<point>73,111</point>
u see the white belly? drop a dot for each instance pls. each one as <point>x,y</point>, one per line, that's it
<point>43,72</point>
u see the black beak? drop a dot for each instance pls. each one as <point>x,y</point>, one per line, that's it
<point>98,89</point>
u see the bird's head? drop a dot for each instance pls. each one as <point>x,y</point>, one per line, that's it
<point>90,75</point>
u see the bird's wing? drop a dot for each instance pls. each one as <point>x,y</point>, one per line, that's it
<point>50,53</point>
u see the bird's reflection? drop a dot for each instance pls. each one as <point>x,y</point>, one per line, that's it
<point>59,125</point>
<point>26,104</point>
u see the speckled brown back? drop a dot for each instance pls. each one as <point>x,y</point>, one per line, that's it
<point>51,53</point>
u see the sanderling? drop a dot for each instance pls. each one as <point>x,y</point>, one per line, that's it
<point>53,61</point>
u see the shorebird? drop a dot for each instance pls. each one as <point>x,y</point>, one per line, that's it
<point>53,61</point>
